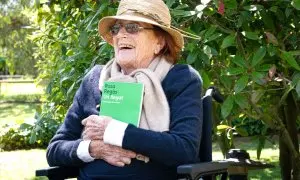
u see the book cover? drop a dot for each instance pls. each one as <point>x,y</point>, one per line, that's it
<point>122,101</point>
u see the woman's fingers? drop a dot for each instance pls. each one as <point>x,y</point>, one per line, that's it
<point>92,119</point>
<point>94,126</point>
<point>126,160</point>
<point>113,155</point>
<point>123,152</point>
<point>118,161</point>
<point>115,162</point>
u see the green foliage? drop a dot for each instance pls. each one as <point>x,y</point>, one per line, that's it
<point>13,137</point>
<point>27,136</point>
<point>70,46</point>
<point>249,49</point>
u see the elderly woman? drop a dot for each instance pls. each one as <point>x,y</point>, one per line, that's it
<point>146,49</point>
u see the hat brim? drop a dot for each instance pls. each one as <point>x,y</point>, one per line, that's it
<point>106,22</point>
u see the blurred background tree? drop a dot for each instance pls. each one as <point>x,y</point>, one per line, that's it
<point>16,49</point>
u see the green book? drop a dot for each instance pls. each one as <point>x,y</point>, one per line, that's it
<point>122,101</point>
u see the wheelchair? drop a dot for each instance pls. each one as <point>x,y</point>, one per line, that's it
<point>234,167</point>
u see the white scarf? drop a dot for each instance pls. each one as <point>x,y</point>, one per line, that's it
<point>155,110</point>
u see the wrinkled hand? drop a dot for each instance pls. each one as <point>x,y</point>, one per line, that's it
<point>113,155</point>
<point>94,127</point>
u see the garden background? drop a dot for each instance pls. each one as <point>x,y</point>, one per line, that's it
<point>249,49</point>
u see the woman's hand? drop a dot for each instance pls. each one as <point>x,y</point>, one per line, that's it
<point>94,127</point>
<point>113,155</point>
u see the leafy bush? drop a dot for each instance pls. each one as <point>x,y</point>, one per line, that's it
<point>13,137</point>
<point>252,127</point>
<point>28,136</point>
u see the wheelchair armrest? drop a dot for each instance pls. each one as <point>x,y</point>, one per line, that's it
<point>203,169</point>
<point>58,172</point>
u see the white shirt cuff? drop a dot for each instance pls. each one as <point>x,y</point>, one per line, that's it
<point>114,133</point>
<point>83,151</point>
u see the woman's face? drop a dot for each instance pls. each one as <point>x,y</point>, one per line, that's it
<point>136,50</point>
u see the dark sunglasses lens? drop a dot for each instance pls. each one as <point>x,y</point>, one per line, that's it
<point>132,28</point>
<point>115,29</point>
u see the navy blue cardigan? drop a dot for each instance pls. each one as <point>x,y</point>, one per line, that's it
<point>166,150</point>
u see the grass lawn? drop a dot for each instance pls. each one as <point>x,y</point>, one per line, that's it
<point>22,164</point>
<point>17,113</point>
<point>17,87</point>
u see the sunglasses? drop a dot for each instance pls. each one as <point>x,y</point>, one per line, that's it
<point>131,28</point>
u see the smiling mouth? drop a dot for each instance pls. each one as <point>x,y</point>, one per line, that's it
<point>125,46</point>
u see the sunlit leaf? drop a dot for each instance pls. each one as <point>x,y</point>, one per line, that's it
<point>235,71</point>
<point>71,88</point>
<point>250,35</point>
<point>182,6</point>
<point>70,52</point>
<point>183,13</point>
<point>259,77</point>
<point>288,57</point>
<point>207,51</point>
<point>223,127</point>
<point>264,67</point>
<point>226,81</point>
<point>241,84</point>
<point>296,4</point>
<point>213,37</point>
<point>209,32</point>
<point>241,100</point>
<point>205,78</point>
<point>258,56</point>
<point>203,57</point>
<point>238,60</point>
<point>227,106</point>
<point>191,58</point>
<point>228,41</point>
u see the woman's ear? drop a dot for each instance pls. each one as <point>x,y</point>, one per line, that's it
<point>160,44</point>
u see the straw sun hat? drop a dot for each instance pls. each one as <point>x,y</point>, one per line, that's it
<point>153,12</point>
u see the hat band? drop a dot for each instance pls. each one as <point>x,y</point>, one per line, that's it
<point>135,12</point>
